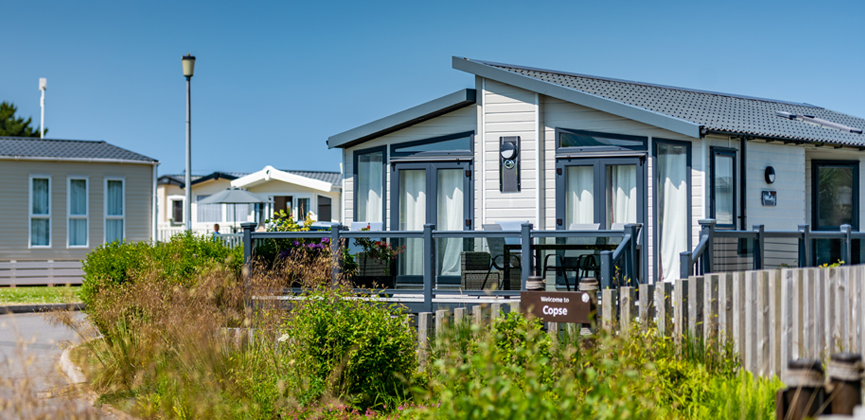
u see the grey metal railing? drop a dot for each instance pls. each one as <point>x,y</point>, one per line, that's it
<point>700,260</point>
<point>625,254</point>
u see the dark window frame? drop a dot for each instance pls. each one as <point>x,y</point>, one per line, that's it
<point>599,167</point>
<point>815,188</point>
<point>732,153</point>
<point>565,150</point>
<point>655,192</point>
<point>318,207</point>
<point>355,184</point>
<point>435,153</point>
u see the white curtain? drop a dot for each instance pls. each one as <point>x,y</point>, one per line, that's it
<point>39,232</point>
<point>580,201</point>
<point>208,212</point>
<point>673,208</point>
<point>113,230</point>
<point>77,232</point>
<point>369,187</point>
<point>237,212</point>
<point>115,198</point>
<point>40,196</point>
<point>412,205</point>
<point>623,182</point>
<point>450,217</point>
<point>77,197</point>
<point>724,190</point>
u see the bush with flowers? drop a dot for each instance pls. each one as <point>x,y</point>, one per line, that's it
<point>382,251</point>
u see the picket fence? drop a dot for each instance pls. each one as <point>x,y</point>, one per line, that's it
<point>768,316</point>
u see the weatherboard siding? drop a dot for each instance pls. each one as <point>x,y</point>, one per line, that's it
<point>15,196</point>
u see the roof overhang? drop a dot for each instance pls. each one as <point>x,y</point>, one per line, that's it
<point>623,110</point>
<point>269,173</point>
<point>403,119</point>
<point>215,176</point>
<point>169,180</point>
<point>79,160</point>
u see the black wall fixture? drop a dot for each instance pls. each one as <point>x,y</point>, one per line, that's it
<point>770,175</point>
<point>509,164</point>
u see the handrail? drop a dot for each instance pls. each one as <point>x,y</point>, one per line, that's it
<point>626,248</point>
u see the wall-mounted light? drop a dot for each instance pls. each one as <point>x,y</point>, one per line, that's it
<point>509,173</point>
<point>770,175</point>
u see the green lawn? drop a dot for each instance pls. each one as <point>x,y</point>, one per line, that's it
<point>29,295</point>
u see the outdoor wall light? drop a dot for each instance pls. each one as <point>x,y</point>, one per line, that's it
<point>770,175</point>
<point>509,172</point>
<point>188,65</point>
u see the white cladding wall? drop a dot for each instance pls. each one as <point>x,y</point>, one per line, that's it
<point>461,120</point>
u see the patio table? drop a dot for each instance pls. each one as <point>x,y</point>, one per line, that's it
<point>539,248</point>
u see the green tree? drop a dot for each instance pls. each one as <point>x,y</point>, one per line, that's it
<point>15,127</point>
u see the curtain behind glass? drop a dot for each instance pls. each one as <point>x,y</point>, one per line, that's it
<point>208,212</point>
<point>113,230</point>
<point>579,197</point>
<point>412,207</point>
<point>450,217</point>
<point>623,194</point>
<point>77,232</point>
<point>237,212</point>
<point>40,196</point>
<point>115,198</point>
<point>835,196</point>
<point>672,208</point>
<point>369,187</point>
<point>724,190</point>
<point>39,232</point>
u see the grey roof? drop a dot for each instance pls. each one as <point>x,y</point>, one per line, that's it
<point>713,111</point>
<point>25,147</point>
<point>333,178</point>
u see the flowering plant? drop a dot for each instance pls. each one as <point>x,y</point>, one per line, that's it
<point>379,250</point>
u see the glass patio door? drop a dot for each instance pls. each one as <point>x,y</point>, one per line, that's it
<point>448,209</point>
<point>610,192</point>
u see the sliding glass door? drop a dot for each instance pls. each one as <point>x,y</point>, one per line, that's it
<point>609,192</point>
<point>672,206</point>
<point>431,192</point>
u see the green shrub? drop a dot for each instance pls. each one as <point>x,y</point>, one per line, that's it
<point>350,349</point>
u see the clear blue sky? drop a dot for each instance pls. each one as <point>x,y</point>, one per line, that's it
<point>274,79</point>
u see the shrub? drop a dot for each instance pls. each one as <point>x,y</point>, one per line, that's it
<point>351,349</point>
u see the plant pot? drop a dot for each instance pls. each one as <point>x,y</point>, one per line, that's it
<point>372,273</point>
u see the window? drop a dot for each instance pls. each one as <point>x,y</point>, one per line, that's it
<point>115,210</point>
<point>208,213</point>
<point>40,211</point>
<point>450,145</point>
<point>237,212</point>
<point>369,177</point>
<point>569,141</point>
<point>77,202</point>
<point>177,211</point>
<point>835,194</point>
<point>723,187</point>
<point>302,208</point>
<point>324,209</point>
<point>673,204</point>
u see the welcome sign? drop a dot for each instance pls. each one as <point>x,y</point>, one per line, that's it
<point>567,307</point>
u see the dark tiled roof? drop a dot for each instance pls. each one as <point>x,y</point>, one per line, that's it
<point>714,111</point>
<point>76,149</point>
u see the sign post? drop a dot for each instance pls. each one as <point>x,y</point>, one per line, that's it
<point>562,307</point>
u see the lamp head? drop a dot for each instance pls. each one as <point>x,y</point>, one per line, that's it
<point>188,65</point>
<point>43,83</point>
<point>508,150</point>
<point>770,175</point>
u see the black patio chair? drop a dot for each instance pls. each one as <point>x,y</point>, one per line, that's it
<point>497,251</point>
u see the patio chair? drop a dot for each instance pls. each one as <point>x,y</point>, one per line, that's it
<point>563,264</point>
<point>588,263</point>
<point>497,250</point>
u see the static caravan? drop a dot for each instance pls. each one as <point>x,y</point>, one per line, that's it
<point>564,151</point>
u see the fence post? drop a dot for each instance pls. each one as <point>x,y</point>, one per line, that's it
<point>805,246</point>
<point>710,308</point>
<point>632,229</point>
<point>428,266</point>
<point>809,313</point>
<point>847,244</point>
<point>664,307</point>
<point>758,247</point>
<point>606,269</point>
<point>423,328</point>
<point>739,317</point>
<point>334,251</point>
<point>685,263</point>
<point>680,309</point>
<point>608,309</point>
<point>247,255</point>
<point>647,305</point>
<point>725,309</point>
<point>627,309</point>
<point>695,307</point>
<point>776,364</point>
<point>708,229</point>
<point>526,254</point>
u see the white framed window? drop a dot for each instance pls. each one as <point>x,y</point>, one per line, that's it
<point>175,208</point>
<point>76,212</point>
<point>304,207</point>
<point>40,211</point>
<point>115,209</point>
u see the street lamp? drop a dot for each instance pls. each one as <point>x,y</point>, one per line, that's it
<point>43,86</point>
<point>188,69</point>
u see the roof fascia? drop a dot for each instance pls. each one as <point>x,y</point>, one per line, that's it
<point>213,176</point>
<point>270,173</point>
<point>86,160</point>
<point>631,112</point>
<point>403,119</point>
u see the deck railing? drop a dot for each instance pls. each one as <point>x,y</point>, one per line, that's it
<point>624,260</point>
<point>702,260</point>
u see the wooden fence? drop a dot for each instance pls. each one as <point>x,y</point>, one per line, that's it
<point>768,316</point>
<point>31,273</point>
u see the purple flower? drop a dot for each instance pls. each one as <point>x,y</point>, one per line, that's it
<point>295,243</point>
<point>325,240</point>
<point>283,254</point>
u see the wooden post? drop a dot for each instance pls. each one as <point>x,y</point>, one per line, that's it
<point>710,308</point>
<point>608,310</point>
<point>495,311</point>
<point>647,305</point>
<point>553,331</point>
<point>695,307</point>
<point>860,306</point>
<point>776,363</point>
<point>739,314</point>
<point>842,303</point>
<point>831,279</point>
<point>478,315</point>
<point>514,306</point>
<point>664,307</point>
<point>459,316</point>
<point>809,314</point>
<point>822,318</point>
<point>423,328</point>
<point>854,310</point>
<point>680,309</point>
<point>725,309</point>
<point>751,346</point>
<point>627,308</point>
<point>789,306</point>
<point>441,321</point>
<point>763,330</point>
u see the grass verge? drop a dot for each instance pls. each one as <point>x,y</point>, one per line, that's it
<point>37,295</point>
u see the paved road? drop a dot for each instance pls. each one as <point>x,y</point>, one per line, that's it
<point>30,349</point>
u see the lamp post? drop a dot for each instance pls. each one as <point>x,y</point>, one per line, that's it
<point>43,86</point>
<point>188,69</point>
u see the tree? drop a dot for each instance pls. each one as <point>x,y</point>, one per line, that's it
<point>15,127</point>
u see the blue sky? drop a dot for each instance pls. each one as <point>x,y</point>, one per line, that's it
<point>274,79</point>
